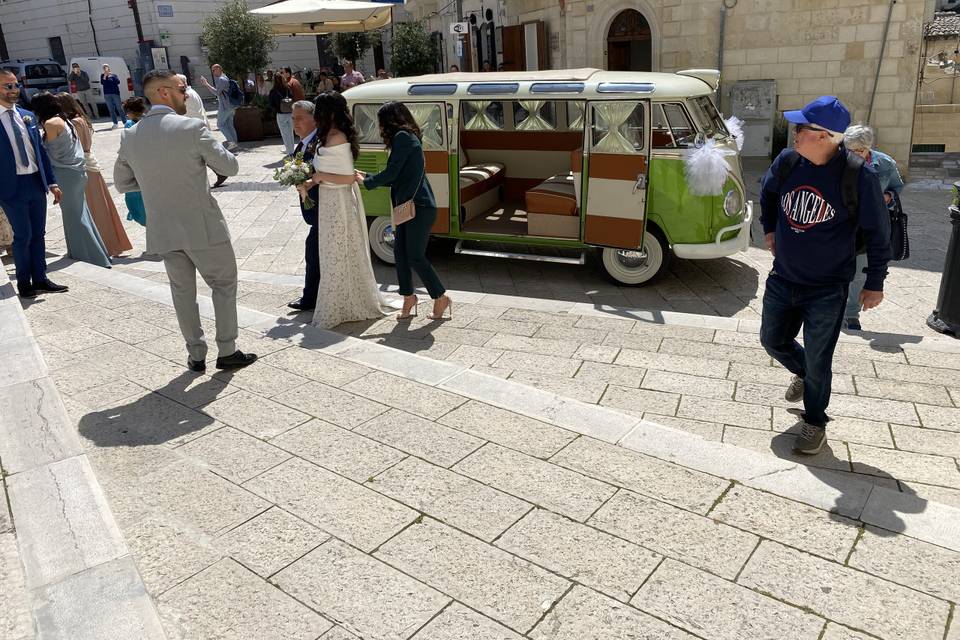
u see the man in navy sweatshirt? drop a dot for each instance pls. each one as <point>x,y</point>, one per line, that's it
<point>813,238</point>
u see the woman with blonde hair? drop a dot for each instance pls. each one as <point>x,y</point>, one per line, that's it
<point>104,212</point>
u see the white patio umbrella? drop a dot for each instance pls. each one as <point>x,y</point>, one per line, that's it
<point>312,17</point>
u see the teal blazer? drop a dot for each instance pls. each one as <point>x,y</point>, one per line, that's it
<point>405,167</point>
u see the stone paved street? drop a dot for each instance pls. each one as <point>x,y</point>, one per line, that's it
<point>565,459</point>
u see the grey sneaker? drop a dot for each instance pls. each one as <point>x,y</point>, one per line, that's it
<point>811,440</point>
<point>795,390</point>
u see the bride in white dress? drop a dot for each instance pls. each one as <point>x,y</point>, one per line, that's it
<point>348,290</point>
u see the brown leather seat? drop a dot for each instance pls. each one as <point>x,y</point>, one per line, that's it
<point>556,195</point>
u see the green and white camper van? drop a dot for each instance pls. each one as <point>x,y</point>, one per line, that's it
<point>575,159</point>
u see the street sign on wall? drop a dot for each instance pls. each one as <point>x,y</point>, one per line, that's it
<point>165,10</point>
<point>460,28</point>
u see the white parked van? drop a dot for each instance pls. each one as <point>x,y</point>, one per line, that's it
<point>94,67</point>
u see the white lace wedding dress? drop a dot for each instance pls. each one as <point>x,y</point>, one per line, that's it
<point>348,291</point>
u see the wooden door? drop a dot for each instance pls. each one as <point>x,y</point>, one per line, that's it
<point>513,49</point>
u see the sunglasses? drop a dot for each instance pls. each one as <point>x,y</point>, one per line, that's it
<point>9,86</point>
<point>807,127</point>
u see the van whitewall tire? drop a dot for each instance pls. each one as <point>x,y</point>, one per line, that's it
<point>381,239</point>
<point>624,268</point>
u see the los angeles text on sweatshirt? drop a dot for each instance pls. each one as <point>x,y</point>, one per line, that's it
<point>815,239</point>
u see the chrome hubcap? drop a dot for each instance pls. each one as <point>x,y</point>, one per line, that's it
<point>632,259</point>
<point>387,237</point>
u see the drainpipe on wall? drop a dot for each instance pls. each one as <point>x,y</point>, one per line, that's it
<point>883,47</point>
<point>727,5</point>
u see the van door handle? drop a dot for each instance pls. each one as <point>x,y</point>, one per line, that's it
<point>641,182</point>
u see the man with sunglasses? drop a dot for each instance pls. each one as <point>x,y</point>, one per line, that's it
<point>165,157</point>
<point>806,200</point>
<point>25,179</point>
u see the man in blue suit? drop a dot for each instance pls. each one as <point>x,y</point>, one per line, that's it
<point>25,178</point>
<point>306,128</point>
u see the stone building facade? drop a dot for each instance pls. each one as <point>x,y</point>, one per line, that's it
<point>937,124</point>
<point>809,47</point>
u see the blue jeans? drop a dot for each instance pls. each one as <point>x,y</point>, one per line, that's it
<point>115,107</point>
<point>852,312</point>
<point>285,124</point>
<point>819,310</point>
<point>225,123</point>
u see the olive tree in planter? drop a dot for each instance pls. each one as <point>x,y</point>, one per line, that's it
<point>352,46</point>
<point>412,51</point>
<point>240,42</point>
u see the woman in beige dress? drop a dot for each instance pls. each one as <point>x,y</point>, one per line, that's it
<point>101,205</point>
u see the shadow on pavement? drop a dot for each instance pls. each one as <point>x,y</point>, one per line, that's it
<point>150,419</point>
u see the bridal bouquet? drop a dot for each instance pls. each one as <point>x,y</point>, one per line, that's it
<point>294,172</point>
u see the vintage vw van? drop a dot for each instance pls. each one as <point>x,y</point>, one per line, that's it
<point>577,159</point>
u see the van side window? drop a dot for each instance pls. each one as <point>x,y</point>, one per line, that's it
<point>368,128</point>
<point>617,127</point>
<point>671,126</point>
<point>429,118</point>
<point>534,115</point>
<point>575,111</point>
<point>482,115</point>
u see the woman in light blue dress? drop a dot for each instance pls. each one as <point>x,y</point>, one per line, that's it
<point>66,155</point>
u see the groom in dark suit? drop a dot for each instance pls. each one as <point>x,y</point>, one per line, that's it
<point>306,128</point>
<point>25,178</point>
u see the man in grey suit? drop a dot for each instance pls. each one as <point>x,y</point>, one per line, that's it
<point>165,156</point>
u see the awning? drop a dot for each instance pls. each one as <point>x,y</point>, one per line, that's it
<point>312,17</point>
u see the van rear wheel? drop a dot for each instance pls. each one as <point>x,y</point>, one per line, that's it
<point>636,267</point>
<point>382,239</point>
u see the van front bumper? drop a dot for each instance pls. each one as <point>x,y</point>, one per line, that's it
<point>718,248</point>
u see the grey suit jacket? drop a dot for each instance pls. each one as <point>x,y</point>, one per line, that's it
<point>165,156</point>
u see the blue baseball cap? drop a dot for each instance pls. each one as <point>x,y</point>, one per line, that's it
<point>826,112</point>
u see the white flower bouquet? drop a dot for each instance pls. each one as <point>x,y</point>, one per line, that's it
<point>294,172</point>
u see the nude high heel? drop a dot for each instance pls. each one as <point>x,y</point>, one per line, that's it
<point>443,313</point>
<point>408,312</point>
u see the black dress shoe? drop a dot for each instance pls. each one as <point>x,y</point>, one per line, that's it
<point>198,366</point>
<point>23,292</point>
<point>300,305</point>
<point>220,180</point>
<point>236,361</point>
<point>51,287</point>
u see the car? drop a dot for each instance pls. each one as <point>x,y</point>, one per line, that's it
<point>38,74</point>
<point>575,160</point>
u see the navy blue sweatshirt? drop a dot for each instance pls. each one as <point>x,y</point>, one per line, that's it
<point>815,240</point>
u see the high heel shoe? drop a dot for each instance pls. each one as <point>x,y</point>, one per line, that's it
<point>408,312</point>
<point>442,315</point>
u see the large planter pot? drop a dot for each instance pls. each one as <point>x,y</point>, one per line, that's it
<point>249,124</point>
<point>270,128</point>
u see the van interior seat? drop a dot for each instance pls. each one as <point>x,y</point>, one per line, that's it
<point>476,179</point>
<point>557,195</point>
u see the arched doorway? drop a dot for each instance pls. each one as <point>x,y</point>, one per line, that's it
<point>629,43</point>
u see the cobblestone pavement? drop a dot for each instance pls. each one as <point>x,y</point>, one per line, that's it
<point>312,496</point>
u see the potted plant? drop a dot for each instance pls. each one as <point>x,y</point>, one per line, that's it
<point>268,119</point>
<point>240,42</point>
<point>413,53</point>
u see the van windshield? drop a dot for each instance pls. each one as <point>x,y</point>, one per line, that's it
<point>708,115</point>
<point>43,71</point>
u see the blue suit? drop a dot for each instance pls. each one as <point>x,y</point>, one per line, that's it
<point>24,199</point>
<point>312,248</point>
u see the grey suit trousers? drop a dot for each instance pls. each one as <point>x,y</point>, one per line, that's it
<point>218,268</point>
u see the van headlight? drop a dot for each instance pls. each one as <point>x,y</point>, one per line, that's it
<point>733,203</point>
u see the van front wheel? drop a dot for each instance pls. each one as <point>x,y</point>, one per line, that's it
<point>382,238</point>
<point>635,267</point>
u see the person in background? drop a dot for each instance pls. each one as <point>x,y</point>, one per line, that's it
<point>195,109</point>
<point>110,84</point>
<point>351,77</point>
<point>66,154</point>
<point>80,87</point>
<point>104,212</point>
<point>335,81</point>
<point>454,68</point>
<point>263,89</point>
<point>225,110</point>
<point>859,139</point>
<point>325,83</point>
<point>383,75</point>
<point>135,108</point>
<point>404,175</point>
<point>487,66</point>
<point>26,176</point>
<point>281,101</point>
<point>294,85</point>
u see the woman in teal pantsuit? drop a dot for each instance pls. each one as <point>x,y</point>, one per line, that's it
<point>405,174</point>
